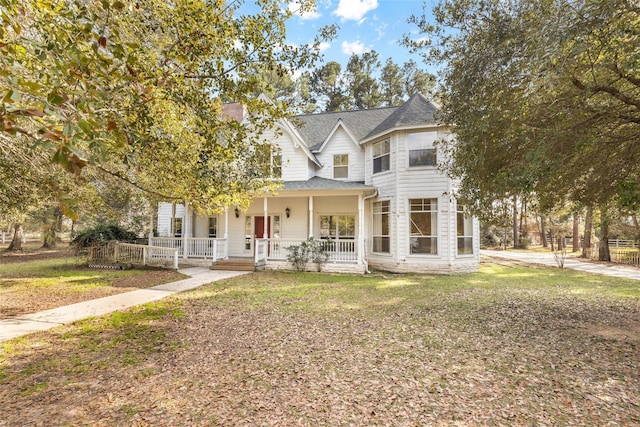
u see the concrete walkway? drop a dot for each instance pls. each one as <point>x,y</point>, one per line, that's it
<point>43,320</point>
<point>569,262</point>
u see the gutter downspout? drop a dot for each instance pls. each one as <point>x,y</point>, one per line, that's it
<point>451,222</point>
<point>364,252</point>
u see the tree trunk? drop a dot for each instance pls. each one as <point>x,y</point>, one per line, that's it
<point>560,241</point>
<point>576,233</point>
<point>603,247</point>
<point>543,232</point>
<point>16,243</point>
<point>49,236</point>
<point>516,238</point>
<point>588,226</point>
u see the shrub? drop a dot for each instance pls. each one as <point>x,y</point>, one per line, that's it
<point>309,250</point>
<point>101,234</point>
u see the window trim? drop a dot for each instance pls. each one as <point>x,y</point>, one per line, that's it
<point>431,148</point>
<point>385,143</point>
<point>381,213</point>
<point>341,166</point>
<point>460,209</point>
<point>215,227</point>
<point>337,235</point>
<point>435,224</point>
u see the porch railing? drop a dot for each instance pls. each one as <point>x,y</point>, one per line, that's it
<point>262,246</point>
<point>194,247</point>
<point>338,250</point>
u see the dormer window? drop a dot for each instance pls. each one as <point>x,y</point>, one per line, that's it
<point>421,149</point>
<point>341,166</point>
<point>381,156</point>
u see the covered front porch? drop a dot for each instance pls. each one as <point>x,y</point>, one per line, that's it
<point>272,224</point>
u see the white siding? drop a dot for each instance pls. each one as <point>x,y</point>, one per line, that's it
<point>295,162</point>
<point>341,143</point>
<point>164,218</point>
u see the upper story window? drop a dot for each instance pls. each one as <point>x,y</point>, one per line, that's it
<point>381,156</point>
<point>270,159</point>
<point>421,149</point>
<point>341,166</point>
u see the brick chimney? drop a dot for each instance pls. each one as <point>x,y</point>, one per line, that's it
<point>233,111</point>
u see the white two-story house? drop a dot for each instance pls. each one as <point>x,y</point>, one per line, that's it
<point>364,182</point>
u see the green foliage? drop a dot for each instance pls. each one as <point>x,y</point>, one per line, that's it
<point>101,234</point>
<point>310,250</point>
<point>137,91</point>
<point>544,95</point>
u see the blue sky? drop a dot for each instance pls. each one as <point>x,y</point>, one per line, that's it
<point>365,25</point>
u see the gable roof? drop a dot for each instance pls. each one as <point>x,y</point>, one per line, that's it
<point>418,110</point>
<point>363,125</point>
<point>317,128</point>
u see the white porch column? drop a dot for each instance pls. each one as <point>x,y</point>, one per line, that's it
<point>310,216</point>
<point>226,233</point>
<point>265,208</point>
<point>150,225</point>
<point>186,230</point>
<point>360,248</point>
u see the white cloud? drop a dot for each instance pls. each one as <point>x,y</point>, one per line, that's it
<point>355,9</point>
<point>324,46</point>
<point>295,7</point>
<point>356,47</point>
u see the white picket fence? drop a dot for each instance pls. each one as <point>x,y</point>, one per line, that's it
<point>127,253</point>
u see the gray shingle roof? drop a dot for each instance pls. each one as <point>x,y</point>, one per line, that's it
<point>418,110</point>
<point>317,183</point>
<point>315,128</point>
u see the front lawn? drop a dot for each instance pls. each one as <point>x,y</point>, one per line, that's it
<point>41,280</point>
<point>510,345</point>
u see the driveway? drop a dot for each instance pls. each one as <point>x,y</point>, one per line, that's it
<point>569,262</point>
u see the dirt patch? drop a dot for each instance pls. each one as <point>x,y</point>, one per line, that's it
<point>34,254</point>
<point>622,333</point>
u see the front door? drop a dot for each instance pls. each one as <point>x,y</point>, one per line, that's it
<point>258,229</point>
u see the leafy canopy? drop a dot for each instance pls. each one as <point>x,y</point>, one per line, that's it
<point>136,90</point>
<point>544,96</point>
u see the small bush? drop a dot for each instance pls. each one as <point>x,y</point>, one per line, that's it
<point>101,234</point>
<point>309,250</point>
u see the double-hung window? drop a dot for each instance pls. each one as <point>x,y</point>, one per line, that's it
<point>423,215</point>
<point>421,149</point>
<point>341,166</point>
<point>381,156</point>
<point>464,228</point>
<point>213,227</point>
<point>177,227</point>
<point>381,237</point>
